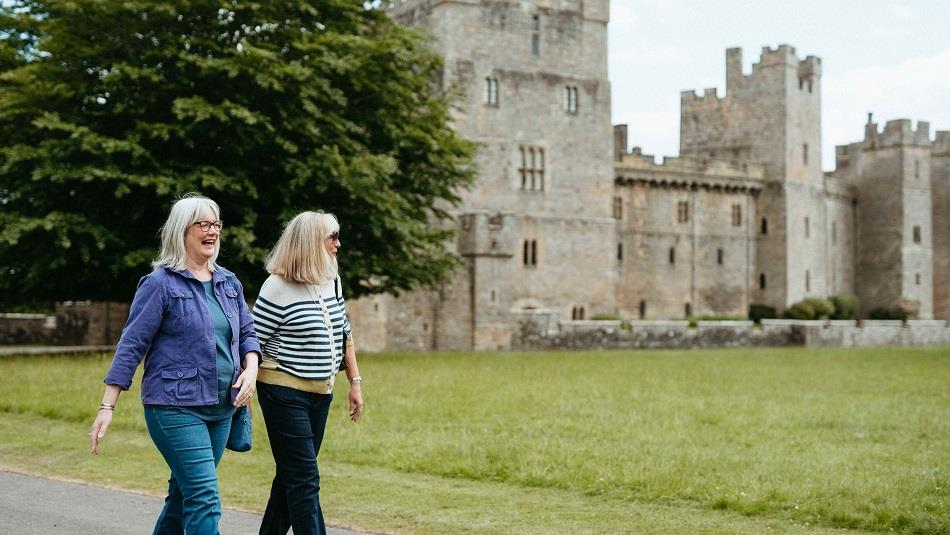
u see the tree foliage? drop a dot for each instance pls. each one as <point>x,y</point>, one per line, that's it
<point>109,110</point>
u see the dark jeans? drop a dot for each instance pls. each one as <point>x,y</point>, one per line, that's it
<point>295,423</point>
<point>192,446</point>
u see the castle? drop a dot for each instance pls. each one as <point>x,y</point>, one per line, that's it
<point>563,217</point>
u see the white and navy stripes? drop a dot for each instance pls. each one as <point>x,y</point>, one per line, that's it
<point>292,328</point>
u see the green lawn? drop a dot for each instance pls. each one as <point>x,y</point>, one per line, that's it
<point>726,441</point>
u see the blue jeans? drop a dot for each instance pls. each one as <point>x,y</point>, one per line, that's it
<point>295,423</point>
<point>192,446</point>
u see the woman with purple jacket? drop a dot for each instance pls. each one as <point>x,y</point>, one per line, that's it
<point>190,323</point>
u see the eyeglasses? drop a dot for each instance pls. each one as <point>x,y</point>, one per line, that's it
<point>205,226</point>
<point>335,236</point>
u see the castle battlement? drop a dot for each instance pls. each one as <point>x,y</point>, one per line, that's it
<point>808,69</point>
<point>596,10</point>
<point>709,97</point>
<point>896,132</point>
<point>941,144</point>
<point>783,54</point>
<point>689,172</point>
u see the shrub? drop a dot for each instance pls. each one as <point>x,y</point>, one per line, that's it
<point>758,312</point>
<point>802,310</point>
<point>910,308</point>
<point>883,313</point>
<point>846,305</point>
<point>824,308</point>
<point>904,309</point>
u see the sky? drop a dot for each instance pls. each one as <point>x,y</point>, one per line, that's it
<point>887,57</point>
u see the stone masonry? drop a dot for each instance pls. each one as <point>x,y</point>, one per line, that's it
<point>536,230</point>
<point>564,219</point>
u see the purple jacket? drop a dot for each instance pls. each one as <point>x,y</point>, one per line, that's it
<point>170,326</point>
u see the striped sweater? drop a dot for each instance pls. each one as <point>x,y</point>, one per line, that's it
<point>290,325</point>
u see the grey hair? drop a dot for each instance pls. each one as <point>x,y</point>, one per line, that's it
<point>184,213</point>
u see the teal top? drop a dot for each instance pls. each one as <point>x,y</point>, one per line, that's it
<point>223,362</point>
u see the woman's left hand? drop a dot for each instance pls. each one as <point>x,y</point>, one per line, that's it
<point>356,401</point>
<point>246,382</point>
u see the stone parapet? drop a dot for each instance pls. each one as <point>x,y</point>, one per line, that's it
<point>677,335</point>
<point>638,166</point>
<point>724,324</point>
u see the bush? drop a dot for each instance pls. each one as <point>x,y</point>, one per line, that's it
<point>810,309</point>
<point>910,308</point>
<point>802,310</point>
<point>759,312</point>
<point>904,309</point>
<point>846,305</point>
<point>887,314</point>
<point>824,308</point>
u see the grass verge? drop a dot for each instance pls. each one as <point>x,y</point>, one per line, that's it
<point>741,441</point>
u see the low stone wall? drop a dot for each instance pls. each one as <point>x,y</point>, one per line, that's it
<point>27,328</point>
<point>86,323</point>
<point>878,333</point>
<point>613,334</point>
<point>76,323</point>
<point>542,330</point>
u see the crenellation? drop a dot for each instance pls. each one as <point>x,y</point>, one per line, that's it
<point>734,76</point>
<point>810,66</point>
<point>922,134</point>
<point>709,99</point>
<point>686,165</point>
<point>899,132</point>
<point>781,55</point>
<point>941,144</point>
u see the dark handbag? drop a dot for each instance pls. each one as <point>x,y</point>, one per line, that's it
<point>240,437</point>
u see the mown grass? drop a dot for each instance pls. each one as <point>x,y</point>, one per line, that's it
<point>737,441</point>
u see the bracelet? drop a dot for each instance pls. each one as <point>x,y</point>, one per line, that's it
<point>106,407</point>
<point>356,379</point>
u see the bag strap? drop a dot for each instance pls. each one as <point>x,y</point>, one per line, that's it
<point>334,365</point>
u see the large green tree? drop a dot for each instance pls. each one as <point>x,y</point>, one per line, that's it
<point>111,109</point>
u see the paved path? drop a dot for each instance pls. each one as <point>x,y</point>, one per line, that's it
<point>40,506</point>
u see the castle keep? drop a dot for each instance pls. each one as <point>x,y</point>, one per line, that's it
<point>563,217</point>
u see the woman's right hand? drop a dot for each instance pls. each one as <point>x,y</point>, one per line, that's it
<point>99,427</point>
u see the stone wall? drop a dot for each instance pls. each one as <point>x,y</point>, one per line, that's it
<point>27,329</point>
<point>771,116</point>
<point>543,330</point>
<point>86,323</point>
<point>677,226</point>
<point>76,323</point>
<point>891,171</point>
<point>940,189</point>
<point>536,100</point>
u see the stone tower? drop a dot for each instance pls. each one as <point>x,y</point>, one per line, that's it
<point>535,231</point>
<point>891,172</point>
<point>940,189</point>
<point>771,116</point>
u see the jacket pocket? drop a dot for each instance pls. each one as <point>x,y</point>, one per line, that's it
<point>181,383</point>
<point>181,303</point>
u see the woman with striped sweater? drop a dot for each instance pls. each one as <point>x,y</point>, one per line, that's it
<point>300,318</point>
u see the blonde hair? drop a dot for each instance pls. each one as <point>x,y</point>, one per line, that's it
<point>184,213</point>
<point>301,254</point>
